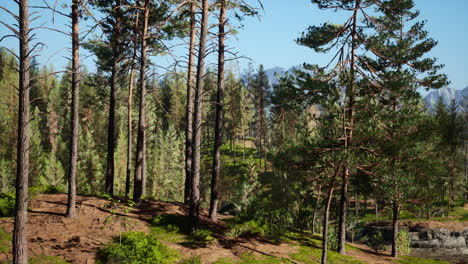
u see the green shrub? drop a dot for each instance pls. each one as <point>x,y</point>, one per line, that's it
<point>192,260</point>
<point>332,240</point>
<point>171,222</point>
<point>202,235</point>
<point>136,248</point>
<point>258,228</point>
<point>249,228</point>
<point>376,242</point>
<point>7,204</point>
<point>5,241</point>
<point>47,189</point>
<point>403,243</point>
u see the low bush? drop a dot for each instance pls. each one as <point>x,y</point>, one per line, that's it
<point>171,222</point>
<point>136,248</point>
<point>332,240</point>
<point>202,235</point>
<point>258,228</point>
<point>403,243</point>
<point>376,242</point>
<point>7,204</point>
<point>249,228</point>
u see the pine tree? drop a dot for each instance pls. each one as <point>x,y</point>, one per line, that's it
<point>197,119</point>
<point>71,210</point>
<point>400,45</point>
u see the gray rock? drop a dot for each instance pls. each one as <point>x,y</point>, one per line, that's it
<point>434,243</point>
<point>440,233</point>
<point>414,236</point>
<point>454,242</point>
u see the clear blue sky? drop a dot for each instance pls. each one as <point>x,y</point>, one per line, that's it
<point>271,40</point>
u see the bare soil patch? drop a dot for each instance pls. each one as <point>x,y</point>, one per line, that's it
<point>77,240</point>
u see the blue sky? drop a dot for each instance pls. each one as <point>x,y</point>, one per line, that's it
<point>270,41</point>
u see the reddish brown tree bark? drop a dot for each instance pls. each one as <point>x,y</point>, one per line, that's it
<point>71,205</point>
<point>189,110</point>
<point>111,140</point>
<point>20,246</point>
<point>219,123</point>
<point>197,120</point>
<point>349,135</point>
<point>141,133</point>
<point>129,113</point>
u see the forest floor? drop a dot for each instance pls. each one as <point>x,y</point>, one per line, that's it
<point>99,220</point>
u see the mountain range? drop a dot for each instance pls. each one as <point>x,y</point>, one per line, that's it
<point>430,100</point>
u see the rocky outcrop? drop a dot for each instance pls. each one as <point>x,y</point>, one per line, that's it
<point>440,238</point>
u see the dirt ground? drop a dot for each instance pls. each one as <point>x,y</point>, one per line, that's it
<point>77,240</point>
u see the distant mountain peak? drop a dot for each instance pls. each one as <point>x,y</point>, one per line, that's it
<point>447,95</point>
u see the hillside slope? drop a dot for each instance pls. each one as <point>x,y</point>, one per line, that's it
<point>100,220</point>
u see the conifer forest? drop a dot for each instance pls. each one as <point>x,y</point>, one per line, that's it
<point>137,131</point>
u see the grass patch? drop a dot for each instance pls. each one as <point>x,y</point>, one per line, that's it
<point>309,255</point>
<point>170,228</point>
<point>414,260</point>
<point>137,248</point>
<point>251,259</point>
<point>47,260</point>
<point>310,250</point>
<point>192,260</point>
<point>5,241</point>
<point>166,235</point>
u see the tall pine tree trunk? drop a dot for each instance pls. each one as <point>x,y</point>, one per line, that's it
<point>111,140</point>
<point>219,115</point>
<point>129,114</point>
<point>197,120</point>
<point>314,213</point>
<point>348,136</point>
<point>20,247</point>
<point>396,209</point>
<point>189,110</point>
<point>342,212</point>
<point>71,206</point>
<point>141,133</point>
<point>326,216</point>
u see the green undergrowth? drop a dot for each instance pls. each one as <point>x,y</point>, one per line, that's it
<point>256,228</point>
<point>137,248</point>
<point>251,259</point>
<point>7,199</point>
<point>310,250</point>
<point>311,255</point>
<point>47,260</point>
<point>5,241</point>
<point>173,228</point>
<point>414,260</point>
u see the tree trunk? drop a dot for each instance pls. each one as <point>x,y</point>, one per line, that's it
<point>314,213</point>
<point>348,135</point>
<point>197,120</point>
<point>326,215</point>
<point>111,140</point>
<point>129,114</point>
<point>71,205</point>
<point>395,229</point>
<point>356,214</point>
<point>189,110</point>
<point>342,213</point>
<point>141,133</point>
<point>20,247</point>
<point>376,209</point>
<point>219,115</point>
